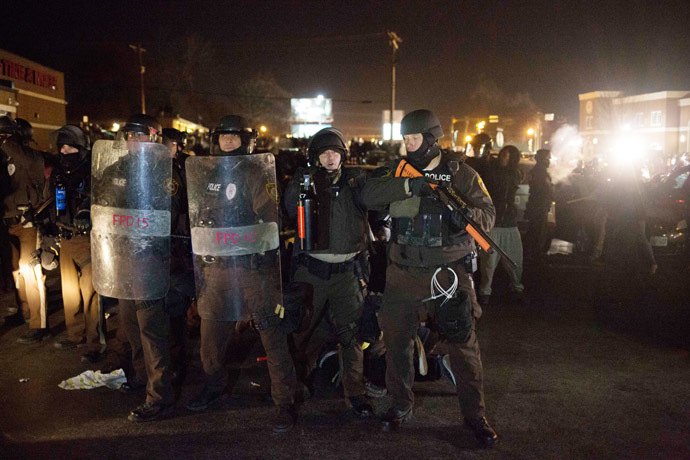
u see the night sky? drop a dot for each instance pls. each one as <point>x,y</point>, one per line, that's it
<point>550,51</point>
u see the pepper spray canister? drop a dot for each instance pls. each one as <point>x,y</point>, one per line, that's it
<point>307,210</point>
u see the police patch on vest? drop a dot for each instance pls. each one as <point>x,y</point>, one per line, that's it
<point>11,168</point>
<point>272,190</point>
<point>482,186</point>
<point>171,186</point>
<point>120,182</point>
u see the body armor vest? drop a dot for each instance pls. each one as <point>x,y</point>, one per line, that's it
<point>433,225</point>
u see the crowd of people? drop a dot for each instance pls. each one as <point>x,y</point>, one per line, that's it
<point>167,237</point>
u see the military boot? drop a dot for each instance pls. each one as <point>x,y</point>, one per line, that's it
<point>482,431</point>
<point>395,417</point>
<point>285,419</point>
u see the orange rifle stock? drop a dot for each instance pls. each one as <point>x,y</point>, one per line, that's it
<point>452,201</point>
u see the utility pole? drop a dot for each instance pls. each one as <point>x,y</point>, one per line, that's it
<point>140,51</point>
<point>393,40</point>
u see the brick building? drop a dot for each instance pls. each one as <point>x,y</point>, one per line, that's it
<point>652,122</point>
<point>33,92</point>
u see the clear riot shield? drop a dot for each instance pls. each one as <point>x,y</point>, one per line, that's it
<point>233,214</point>
<point>130,212</point>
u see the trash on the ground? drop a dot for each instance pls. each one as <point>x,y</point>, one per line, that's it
<point>94,379</point>
<point>254,384</point>
<point>560,247</point>
<point>23,380</point>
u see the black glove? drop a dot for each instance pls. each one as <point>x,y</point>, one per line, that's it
<point>82,221</point>
<point>458,217</point>
<point>419,186</point>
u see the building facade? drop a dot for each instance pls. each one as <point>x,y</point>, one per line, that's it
<point>648,123</point>
<point>33,92</point>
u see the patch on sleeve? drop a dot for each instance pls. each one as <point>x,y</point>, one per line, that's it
<point>482,186</point>
<point>171,186</point>
<point>383,171</point>
<point>272,190</point>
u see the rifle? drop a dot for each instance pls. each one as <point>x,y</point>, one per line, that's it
<point>451,200</point>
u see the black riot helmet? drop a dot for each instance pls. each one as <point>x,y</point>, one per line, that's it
<point>420,122</point>
<point>24,130</point>
<point>7,125</point>
<point>174,136</point>
<point>140,126</point>
<point>326,139</point>
<point>481,145</point>
<point>239,126</point>
<point>427,124</point>
<point>75,137</point>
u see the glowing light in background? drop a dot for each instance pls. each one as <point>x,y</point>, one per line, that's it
<point>566,152</point>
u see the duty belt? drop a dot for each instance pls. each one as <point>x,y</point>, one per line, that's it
<point>324,270</point>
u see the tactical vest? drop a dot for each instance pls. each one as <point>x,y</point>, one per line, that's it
<point>433,225</point>
<point>347,217</point>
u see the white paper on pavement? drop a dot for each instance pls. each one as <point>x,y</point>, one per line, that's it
<point>94,379</point>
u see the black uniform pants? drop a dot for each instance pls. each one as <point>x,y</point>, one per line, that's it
<point>146,327</point>
<point>342,296</point>
<point>400,315</point>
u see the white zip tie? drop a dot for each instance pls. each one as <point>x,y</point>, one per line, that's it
<point>436,286</point>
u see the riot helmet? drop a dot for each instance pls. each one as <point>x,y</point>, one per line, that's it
<point>326,139</point>
<point>481,145</point>
<point>141,128</point>
<point>73,147</point>
<point>422,122</point>
<point>24,130</point>
<point>7,128</point>
<point>174,139</point>
<point>233,135</point>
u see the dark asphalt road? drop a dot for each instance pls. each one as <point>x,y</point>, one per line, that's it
<point>580,371</point>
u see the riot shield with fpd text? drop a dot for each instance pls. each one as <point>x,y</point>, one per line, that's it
<point>233,214</point>
<point>130,210</point>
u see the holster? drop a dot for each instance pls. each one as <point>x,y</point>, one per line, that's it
<point>454,317</point>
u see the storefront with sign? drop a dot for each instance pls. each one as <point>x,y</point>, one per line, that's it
<point>33,92</point>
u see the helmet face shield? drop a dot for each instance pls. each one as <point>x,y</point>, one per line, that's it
<point>136,132</point>
<point>246,138</point>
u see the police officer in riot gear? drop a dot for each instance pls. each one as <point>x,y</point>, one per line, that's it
<point>332,267</point>
<point>69,188</point>
<point>429,244</point>
<point>233,136</point>
<point>135,268</point>
<point>25,167</point>
<point>234,219</point>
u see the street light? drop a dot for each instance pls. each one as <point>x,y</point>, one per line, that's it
<point>480,126</point>
<point>263,129</point>
<point>530,141</point>
<point>468,138</point>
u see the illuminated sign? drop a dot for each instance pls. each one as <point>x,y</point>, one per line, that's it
<point>397,118</point>
<point>18,71</point>
<point>307,130</point>
<point>312,110</point>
